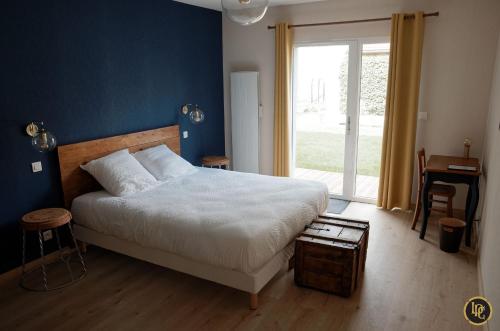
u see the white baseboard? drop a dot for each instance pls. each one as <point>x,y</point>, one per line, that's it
<point>480,283</point>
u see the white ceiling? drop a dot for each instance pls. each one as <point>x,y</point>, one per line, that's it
<point>215,4</point>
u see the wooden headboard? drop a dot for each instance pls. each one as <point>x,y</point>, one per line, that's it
<point>76,182</point>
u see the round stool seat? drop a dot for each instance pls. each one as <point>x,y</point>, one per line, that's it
<point>45,219</point>
<point>452,222</point>
<point>215,161</point>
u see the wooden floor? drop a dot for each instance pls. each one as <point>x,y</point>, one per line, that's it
<point>366,186</point>
<point>409,284</point>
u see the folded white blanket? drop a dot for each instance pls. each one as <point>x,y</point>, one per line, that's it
<point>223,218</point>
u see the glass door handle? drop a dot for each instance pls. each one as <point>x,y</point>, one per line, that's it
<point>348,125</point>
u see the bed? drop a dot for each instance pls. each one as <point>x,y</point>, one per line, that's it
<point>232,228</point>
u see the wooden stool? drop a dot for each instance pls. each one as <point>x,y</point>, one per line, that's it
<point>49,219</point>
<point>215,161</point>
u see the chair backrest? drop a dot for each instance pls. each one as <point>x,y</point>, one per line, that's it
<point>421,166</point>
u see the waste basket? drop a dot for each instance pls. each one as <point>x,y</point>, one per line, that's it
<point>451,231</point>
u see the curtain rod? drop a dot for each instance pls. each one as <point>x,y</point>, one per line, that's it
<point>272,27</point>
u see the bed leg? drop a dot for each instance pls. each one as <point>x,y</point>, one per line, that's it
<point>254,301</point>
<point>82,246</point>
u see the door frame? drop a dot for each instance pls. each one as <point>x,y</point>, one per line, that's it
<point>352,113</point>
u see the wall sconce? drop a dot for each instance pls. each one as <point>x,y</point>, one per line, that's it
<point>196,115</point>
<point>42,140</point>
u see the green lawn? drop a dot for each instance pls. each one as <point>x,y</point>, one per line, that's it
<point>325,151</point>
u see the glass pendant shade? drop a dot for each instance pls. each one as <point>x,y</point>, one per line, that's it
<point>196,116</point>
<point>44,141</point>
<point>245,12</point>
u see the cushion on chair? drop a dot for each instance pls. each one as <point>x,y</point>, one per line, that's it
<point>442,189</point>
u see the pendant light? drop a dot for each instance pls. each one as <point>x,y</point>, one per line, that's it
<point>245,12</point>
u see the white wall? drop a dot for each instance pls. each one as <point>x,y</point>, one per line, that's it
<point>456,69</point>
<point>489,252</point>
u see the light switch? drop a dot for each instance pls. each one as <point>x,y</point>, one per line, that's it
<point>422,115</point>
<point>36,166</point>
<point>185,134</point>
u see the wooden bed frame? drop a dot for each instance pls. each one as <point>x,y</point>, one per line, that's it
<point>76,182</point>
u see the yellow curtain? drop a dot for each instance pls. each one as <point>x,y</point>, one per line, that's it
<point>283,62</point>
<point>398,144</point>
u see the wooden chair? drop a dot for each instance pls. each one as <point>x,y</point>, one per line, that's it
<point>437,190</point>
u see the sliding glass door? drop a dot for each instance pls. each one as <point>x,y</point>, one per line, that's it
<point>320,103</point>
<point>338,109</point>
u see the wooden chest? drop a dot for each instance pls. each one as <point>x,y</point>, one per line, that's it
<point>330,254</point>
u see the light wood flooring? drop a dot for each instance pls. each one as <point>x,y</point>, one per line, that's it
<point>409,284</point>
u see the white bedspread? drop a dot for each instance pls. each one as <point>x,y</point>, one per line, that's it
<point>223,218</point>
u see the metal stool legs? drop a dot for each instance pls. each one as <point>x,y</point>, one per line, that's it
<point>23,270</point>
<point>43,265</point>
<point>61,255</point>
<point>77,249</point>
<point>44,272</point>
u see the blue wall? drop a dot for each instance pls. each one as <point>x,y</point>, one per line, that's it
<point>98,68</point>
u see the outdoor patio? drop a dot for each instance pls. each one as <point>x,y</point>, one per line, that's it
<point>366,186</point>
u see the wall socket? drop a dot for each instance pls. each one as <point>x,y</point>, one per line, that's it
<point>47,235</point>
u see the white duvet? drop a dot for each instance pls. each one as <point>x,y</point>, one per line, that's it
<point>223,218</point>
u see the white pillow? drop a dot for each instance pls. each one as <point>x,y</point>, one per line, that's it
<point>163,163</point>
<point>120,174</point>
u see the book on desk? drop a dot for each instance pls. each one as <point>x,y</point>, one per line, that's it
<point>461,167</point>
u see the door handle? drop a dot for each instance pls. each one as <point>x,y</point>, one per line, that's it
<point>348,125</point>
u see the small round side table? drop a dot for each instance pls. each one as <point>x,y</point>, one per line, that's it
<point>43,220</point>
<point>215,161</point>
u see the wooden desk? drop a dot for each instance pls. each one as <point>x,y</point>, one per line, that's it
<point>437,170</point>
